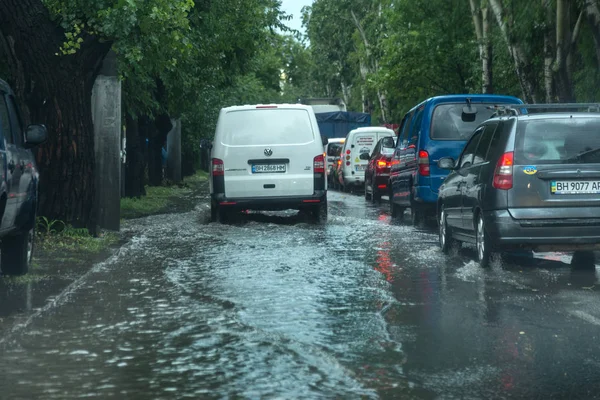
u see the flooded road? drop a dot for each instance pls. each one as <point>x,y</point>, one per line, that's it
<point>273,306</point>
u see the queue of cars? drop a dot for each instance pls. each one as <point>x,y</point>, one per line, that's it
<point>489,169</point>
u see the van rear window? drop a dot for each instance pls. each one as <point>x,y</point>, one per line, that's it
<point>558,141</point>
<point>447,122</point>
<point>263,127</point>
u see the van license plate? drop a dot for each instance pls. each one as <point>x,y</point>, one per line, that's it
<point>262,168</point>
<point>361,167</point>
<point>575,187</point>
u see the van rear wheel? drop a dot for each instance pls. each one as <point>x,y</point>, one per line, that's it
<point>319,212</point>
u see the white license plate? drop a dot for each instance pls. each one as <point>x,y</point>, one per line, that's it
<point>262,168</point>
<point>575,187</point>
<point>360,167</point>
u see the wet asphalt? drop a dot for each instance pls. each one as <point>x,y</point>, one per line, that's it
<point>273,306</point>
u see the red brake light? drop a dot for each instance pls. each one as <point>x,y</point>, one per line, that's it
<point>382,164</point>
<point>347,151</point>
<point>503,175</point>
<point>339,162</point>
<point>319,164</point>
<point>218,169</point>
<point>423,162</point>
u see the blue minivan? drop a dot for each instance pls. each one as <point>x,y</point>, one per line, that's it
<point>438,127</point>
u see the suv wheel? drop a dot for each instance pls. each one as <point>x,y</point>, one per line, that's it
<point>445,235</point>
<point>214,212</point>
<point>368,196</point>
<point>483,243</point>
<point>583,260</point>
<point>417,215</point>
<point>17,252</point>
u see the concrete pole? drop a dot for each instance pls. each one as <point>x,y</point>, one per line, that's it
<point>106,115</point>
<point>174,152</point>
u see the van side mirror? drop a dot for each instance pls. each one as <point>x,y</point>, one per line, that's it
<point>446,163</point>
<point>364,156</point>
<point>35,135</point>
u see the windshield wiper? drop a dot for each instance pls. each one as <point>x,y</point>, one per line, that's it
<point>581,155</point>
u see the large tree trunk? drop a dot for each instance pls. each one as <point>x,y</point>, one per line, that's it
<point>135,177</point>
<point>481,21</point>
<point>592,11</point>
<point>56,91</point>
<point>525,70</point>
<point>548,53</point>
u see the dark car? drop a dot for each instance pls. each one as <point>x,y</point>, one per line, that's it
<point>377,173</point>
<point>18,185</point>
<point>438,127</point>
<point>526,180</point>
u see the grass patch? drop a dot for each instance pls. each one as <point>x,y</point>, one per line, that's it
<point>53,236</point>
<point>158,198</point>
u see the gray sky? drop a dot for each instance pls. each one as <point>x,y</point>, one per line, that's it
<point>294,7</point>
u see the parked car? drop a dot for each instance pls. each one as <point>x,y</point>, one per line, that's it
<point>438,127</point>
<point>377,174</point>
<point>332,150</point>
<point>18,185</point>
<point>268,157</point>
<point>526,181</point>
<point>358,141</point>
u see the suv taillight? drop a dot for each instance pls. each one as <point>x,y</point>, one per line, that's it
<point>319,164</point>
<point>218,169</point>
<point>423,162</point>
<point>503,175</point>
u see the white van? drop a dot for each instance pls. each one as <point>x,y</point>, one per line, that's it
<point>268,157</point>
<point>359,141</point>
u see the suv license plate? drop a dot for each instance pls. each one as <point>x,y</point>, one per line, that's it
<point>262,168</point>
<point>575,187</point>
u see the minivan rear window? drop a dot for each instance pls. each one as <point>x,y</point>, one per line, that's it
<point>558,141</point>
<point>267,127</point>
<point>447,122</point>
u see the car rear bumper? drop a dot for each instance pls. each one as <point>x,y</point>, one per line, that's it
<point>542,235</point>
<point>424,194</point>
<point>382,180</point>
<point>354,180</point>
<point>270,203</point>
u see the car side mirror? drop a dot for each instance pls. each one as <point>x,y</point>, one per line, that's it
<point>446,163</point>
<point>364,156</point>
<point>35,135</point>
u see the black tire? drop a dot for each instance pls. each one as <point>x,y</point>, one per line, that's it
<point>319,213</point>
<point>583,260</point>
<point>396,211</point>
<point>17,252</point>
<point>214,212</point>
<point>223,215</point>
<point>417,215</point>
<point>368,196</point>
<point>447,242</point>
<point>376,195</point>
<point>483,243</point>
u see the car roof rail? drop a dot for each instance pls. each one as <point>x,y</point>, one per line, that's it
<point>555,108</point>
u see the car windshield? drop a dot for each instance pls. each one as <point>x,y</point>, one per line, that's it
<point>558,141</point>
<point>448,122</point>
<point>267,127</point>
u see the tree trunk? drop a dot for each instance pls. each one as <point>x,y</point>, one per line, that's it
<point>56,91</point>
<point>548,53</point>
<point>135,176</point>
<point>487,57</point>
<point>156,139</point>
<point>524,69</point>
<point>592,11</point>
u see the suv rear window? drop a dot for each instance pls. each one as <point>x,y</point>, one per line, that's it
<point>267,127</point>
<point>558,141</point>
<point>447,122</point>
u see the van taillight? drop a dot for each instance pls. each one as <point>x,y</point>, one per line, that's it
<point>218,169</point>
<point>503,175</point>
<point>319,164</point>
<point>423,162</point>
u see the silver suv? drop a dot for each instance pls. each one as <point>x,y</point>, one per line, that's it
<point>528,178</point>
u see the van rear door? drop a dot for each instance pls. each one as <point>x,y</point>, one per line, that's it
<point>556,170</point>
<point>269,152</point>
<point>363,142</point>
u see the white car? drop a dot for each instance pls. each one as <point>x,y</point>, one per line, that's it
<point>359,141</point>
<point>268,157</point>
